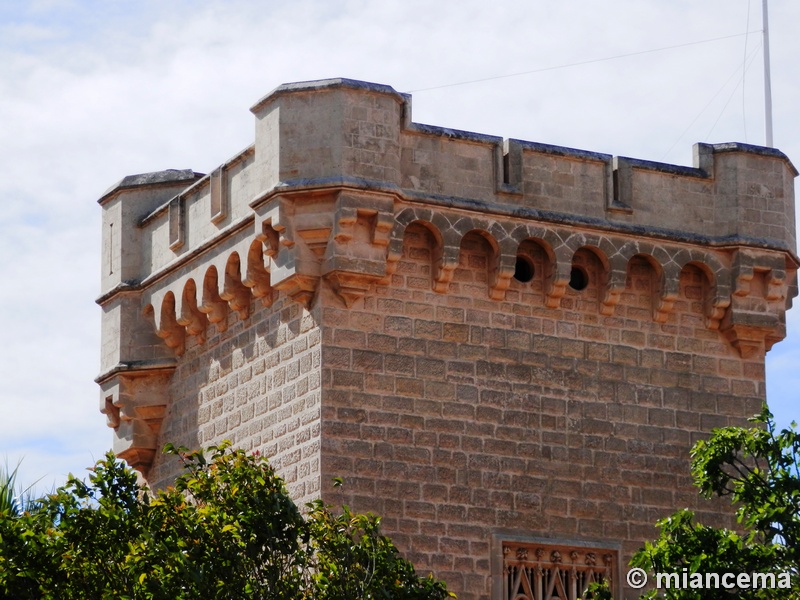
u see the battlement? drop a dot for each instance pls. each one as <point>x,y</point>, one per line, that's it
<point>330,152</point>
<point>355,274</point>
<point>347,134</point>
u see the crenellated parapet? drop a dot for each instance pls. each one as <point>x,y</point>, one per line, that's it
<point>336,175</point>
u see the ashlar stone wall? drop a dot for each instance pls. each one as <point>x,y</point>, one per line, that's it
<point>458,417</point>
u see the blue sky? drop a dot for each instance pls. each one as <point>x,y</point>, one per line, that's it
<point>91,91</point>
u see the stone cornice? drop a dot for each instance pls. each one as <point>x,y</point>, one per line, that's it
<point>166,178</point>
<point>137,367</point>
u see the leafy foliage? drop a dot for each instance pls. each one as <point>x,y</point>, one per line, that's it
<point>8,498</point>
<point>353,560</point>
<point>12,500</point>
<point>759,469</point>
<point>227,529</point>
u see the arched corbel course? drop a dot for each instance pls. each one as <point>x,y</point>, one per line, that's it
<point>560,268</point>
<point>295,244</point>
<point>189,314</point>
<point>667,271</point>
<point>616,271</point>
<point>234,291</point>
<point>445,253</point>
<point>212,305</point>
<point>603,249</point>
<point>505,261</point>
<point>166,323</point>
<point>258,276</point>
<point>559,259</point>
<point>615,285</point>
<point>718,295</point>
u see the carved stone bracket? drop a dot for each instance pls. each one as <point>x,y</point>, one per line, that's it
<point>558,279</point>
<point>134,399</point>
<point>665,300</point>
<point>212,305</point>
<point>615,286</point>
<point>505,261</point>
<point>501,275</point>
<point>749,331</point>
<point>755,318</point>
<point>167,326</point>
<point>295,239</point>
<point>190,315</point>
<point>355,258</point>
<point>716,306</point>
<point>234,291</point>
<point>445,263</point>
<point>258,277</point>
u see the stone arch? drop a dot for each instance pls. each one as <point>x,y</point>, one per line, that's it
<point>502,257</point>
<point>717,294</point>
<point>668,271</point>
<point>644,277</point>
<point>539,255</point>
<point>598,245</point>
<point>615,267</point>
<point>712,305</point>
<point>445,253</point>
<point>402,221</point>
<point>420,250</point>
<point>695,288</point>
<point>477,252</point>
<point>544,237</point>
<point>593,263</point>
<point>559,258</point>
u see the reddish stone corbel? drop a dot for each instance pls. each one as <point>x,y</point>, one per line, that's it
<point>134,399</point>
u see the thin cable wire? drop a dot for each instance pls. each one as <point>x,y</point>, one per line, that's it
<point>584,62</point>
<point>709,103</point>
<point>744,72</point>
<point>731,96</point>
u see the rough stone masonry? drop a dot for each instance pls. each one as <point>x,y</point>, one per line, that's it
<point>505,348</point>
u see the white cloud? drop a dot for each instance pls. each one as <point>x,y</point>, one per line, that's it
<point>91,91</point>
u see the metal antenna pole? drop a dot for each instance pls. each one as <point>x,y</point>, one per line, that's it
<point>767,78</point>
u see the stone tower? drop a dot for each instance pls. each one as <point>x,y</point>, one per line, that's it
<point>505,348</point>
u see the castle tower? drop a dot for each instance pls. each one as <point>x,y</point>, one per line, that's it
<point>505,348</point>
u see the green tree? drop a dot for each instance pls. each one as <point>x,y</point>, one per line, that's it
<point>352,559</point>
<point>227,529</point>
<point>758,468</point>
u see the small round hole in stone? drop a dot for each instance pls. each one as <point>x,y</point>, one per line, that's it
<point>523,270</point>
<point>578,279</point>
